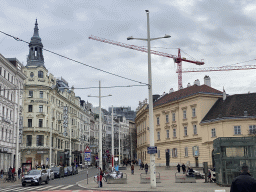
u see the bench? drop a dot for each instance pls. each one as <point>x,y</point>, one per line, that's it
<point>112,180</point>
<point>145,178</point>
<point>183,178</point>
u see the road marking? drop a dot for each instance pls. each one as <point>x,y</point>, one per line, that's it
<point>67,187</point>
<point>56,187</point>
<point>40,189</point>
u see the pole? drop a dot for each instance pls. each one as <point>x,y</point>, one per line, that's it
<point>100,130</point>
<point>151,122</point>
<point>70,153</point>
<point>50,158</point>
<point>112,150</point>
<point>17,135</point>
<point>131,142</point>
<point>87,171</point>
<point>119,146</point>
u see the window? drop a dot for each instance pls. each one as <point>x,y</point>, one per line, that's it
<point>237,130</point>
<point>157,121</point>
<point>158,135</point>
<point>186,152</point>
<point>29,140</point>
<point>158,154</point>
<point>30,108</point>
<point>193,112</point>
<point>40,108</point>
<point>167,118</point>
<point>8,77</point>
<point>174,152</point>
<point>195,150</point>
<point>39,140</point>
<point>30,94</point>
<point>185,131</point>
<point>29,122</point>
<point>0,70</point>
<point>252,129</point>
<point>174,132</point>
<point>40,74</point>
<point>184,114</point>
<point>167,134</point>
<point>41,94</point>
<point>173,116</point>
<point>195,129</point>
<point>213,132</point>
<point>31,74</point>
<point>40,124</point>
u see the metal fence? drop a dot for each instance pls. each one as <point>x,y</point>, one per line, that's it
<point>230,154</point>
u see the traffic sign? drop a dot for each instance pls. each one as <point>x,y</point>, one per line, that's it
<point>87,149</point>
<point>47,159</point>
<point>152,150</point>
<point>87,156</point>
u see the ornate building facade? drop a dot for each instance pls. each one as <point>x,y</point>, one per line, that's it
<point>11,85</point>
<point>55,119</point>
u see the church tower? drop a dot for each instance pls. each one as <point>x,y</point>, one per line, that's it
<point>35,57</point>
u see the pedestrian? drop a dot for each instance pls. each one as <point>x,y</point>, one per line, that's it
<point>142,165</point>
<point>244,182</point>
<point>101,176</point>
<point>132,169</point>
<point>19,171</point>
<point>2,173</point>
<point>178,168</point>
<point>146,168</point>
<point>13,172</point>
<point>183,168</point>
<point>10,173</point>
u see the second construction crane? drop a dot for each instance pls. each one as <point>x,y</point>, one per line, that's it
<point>177,59</point>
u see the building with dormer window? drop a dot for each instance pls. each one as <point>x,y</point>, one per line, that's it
<point>55,119</point>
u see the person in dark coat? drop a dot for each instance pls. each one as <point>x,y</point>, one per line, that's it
<point>244,182</point>
<point>183,168</point>
<point>146,168</point>
<point>178,167</point>
<point>19,172</point>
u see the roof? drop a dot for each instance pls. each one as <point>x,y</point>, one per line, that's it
<point>186,92</point>
<point>233,107</point>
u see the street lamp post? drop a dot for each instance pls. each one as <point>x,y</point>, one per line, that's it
<point>151,122</point>
<point>112,139</point>
<point>100,125</point>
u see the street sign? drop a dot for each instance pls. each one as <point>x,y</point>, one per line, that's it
<point>87,156</point>
<point>47,159</point>
<point>87,149</point>
<point>152,150</point>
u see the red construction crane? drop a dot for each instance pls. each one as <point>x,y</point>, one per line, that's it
<point>177,59</point>
<point>223,68</point>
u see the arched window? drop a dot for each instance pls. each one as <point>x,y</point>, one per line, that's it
<point>40,74</point>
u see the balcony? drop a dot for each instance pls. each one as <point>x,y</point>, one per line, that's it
<point>36,129</point>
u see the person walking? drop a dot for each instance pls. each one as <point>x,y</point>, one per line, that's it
<point>2,173</point>
<point>146,168</point>
<point>178,168</point>
<point>244,182</point>
<point>183,168</point>
<point>19,172</point>
<point>101,176</point>
<point>132,169</point>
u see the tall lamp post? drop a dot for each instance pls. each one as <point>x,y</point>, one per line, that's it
<point>100,125</point>
<point>151,122</point>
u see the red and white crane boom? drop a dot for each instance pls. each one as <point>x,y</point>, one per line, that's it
<point>177,59</point>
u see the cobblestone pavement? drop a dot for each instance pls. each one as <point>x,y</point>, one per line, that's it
<point>167,183</point>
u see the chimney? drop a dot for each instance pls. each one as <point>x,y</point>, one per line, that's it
<point>224,94</point>
<point>188,85</point>
<point>207,80</point>
<point>197,82</point>
<point>171,90</point>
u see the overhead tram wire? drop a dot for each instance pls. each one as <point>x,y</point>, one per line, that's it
<point>109,87</point>
<point>18,39</point>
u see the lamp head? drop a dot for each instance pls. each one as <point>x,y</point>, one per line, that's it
<point>167,36</point>
<point>147,11</point>
<point>130,38</point>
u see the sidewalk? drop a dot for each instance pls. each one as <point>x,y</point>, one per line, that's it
<point>167,183</point>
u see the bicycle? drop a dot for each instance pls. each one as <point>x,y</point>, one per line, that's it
<point>7,179</point>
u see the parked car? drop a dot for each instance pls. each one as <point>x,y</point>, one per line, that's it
<point>35,177</point>
<point>71,170</point>
<point>58,172</point>
<point>67,172</point>
<point>75,170</point>
<point>50,173</point>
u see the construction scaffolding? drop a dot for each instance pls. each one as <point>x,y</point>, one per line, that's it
<point>230,154</point>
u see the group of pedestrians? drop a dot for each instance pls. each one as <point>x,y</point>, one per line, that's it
<point>183,166</point>
<point>142,166</point>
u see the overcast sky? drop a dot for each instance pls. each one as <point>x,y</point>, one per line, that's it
<point>220,32</point>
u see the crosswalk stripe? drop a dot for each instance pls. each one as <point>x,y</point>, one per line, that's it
<point>66,187</point>
<point>44,187</point>
<point>56,187</point>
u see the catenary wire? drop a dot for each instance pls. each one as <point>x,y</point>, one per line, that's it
<point>18,39</point>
